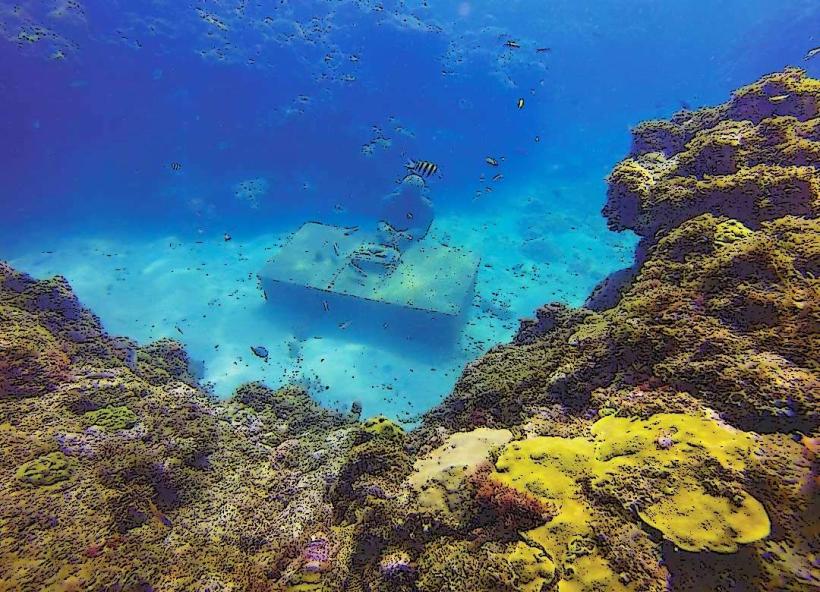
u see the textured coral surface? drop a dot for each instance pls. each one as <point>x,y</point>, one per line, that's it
<point>664,437</point>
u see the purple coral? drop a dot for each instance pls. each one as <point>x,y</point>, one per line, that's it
<point>665,442</point>
<point>316,554</point>
<point>396,565</point>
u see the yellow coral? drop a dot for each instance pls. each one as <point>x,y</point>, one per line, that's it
<point>534,567</point>
<point>552,468</point>
<point>627,441</point>
<point>677,446</point>
<point>305,582</point>
<point>591,573</point>
<point>695,520</point>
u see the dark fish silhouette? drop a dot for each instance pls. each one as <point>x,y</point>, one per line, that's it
<point>176,166</point>
<point>260,351</point>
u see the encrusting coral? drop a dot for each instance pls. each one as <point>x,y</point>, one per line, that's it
<point>718,318</point>
<point>662,437</point>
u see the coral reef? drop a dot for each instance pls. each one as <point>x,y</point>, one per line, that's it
<point>717,321</point>
<point>662,437</point>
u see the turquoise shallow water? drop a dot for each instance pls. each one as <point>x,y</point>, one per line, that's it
<point>136,134</point>
<point>204,293</point>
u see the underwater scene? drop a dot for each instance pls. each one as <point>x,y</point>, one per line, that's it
<point>409,296</point>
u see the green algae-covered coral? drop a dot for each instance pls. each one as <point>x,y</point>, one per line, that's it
<point>45,470</point>
<point>730,231</point>
<point>753,159</point>
<point>31,360</point>
<point>111,418</point>
<point>383,426</point>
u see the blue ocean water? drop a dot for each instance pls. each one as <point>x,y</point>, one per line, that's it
<point>135,135</point>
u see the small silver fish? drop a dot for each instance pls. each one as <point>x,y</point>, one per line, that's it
<point>811,53</point>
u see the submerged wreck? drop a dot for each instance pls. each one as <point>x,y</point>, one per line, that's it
<point>395,281</point>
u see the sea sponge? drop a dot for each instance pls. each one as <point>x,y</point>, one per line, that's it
<point>383,427</point>
<point>111,418</point>
<point>506,509</point>
<point>46,470</point>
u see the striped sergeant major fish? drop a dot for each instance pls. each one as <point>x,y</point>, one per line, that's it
<point>422,168</point>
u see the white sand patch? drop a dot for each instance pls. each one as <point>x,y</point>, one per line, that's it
<point>205,294</point>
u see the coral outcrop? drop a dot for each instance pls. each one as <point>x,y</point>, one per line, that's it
<point>713,331</point>
<point>663,437</point>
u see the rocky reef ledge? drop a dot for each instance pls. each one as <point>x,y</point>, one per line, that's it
<point>663,437</point>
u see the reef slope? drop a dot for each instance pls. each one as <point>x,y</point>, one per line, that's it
<point>663,437</point>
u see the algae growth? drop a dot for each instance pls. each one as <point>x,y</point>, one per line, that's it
<point>662,437</point>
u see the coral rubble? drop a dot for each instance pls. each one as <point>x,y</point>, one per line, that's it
<point>664,437</point>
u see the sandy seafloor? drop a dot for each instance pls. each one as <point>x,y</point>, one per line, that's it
<point>204,292</point>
